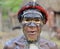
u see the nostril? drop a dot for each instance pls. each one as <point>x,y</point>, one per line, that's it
<point>32,27</point>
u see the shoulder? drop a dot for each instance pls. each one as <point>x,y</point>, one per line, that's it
<point>11,44</point>
<point>49,43</point>
<point>52,45</point>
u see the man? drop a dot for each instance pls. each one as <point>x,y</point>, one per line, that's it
<point>32,17</point>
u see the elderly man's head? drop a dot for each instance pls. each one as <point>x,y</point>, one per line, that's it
<point>32,17</point>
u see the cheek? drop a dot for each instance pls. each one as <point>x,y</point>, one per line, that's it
<point>39,29</point>
<point>25,29</point>
<point>38,32</point>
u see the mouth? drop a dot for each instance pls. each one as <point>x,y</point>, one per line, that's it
<point>32,32</point>
<point>32,35</point>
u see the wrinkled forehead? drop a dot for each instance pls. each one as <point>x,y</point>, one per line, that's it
<point>32,14</point>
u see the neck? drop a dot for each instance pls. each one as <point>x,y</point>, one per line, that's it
<point>30,42</point>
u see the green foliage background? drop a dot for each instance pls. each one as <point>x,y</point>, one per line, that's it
<point>14,5</point>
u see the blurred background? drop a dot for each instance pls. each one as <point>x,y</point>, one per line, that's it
<point>11,28</point>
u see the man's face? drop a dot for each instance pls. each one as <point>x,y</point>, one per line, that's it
<point>32,28</point>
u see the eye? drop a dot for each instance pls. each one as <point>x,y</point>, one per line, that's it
<point>27,19</point>
<point>36,19</point>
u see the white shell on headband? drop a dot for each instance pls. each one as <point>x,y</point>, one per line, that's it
<point>32,11</point>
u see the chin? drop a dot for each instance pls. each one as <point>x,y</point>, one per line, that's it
<point>31,40</point>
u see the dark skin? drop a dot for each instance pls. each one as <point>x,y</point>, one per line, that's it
<point>32,33</point>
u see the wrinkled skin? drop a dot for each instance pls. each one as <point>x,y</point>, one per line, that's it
<point>32,29</point>
<point>32,23</point>
<point>32,33</point>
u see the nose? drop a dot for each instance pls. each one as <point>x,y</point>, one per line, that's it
<point>31,24</point>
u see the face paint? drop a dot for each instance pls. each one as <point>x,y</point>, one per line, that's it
<point>32,24</point>
<point>32,29</point>
<point>35,18</point>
